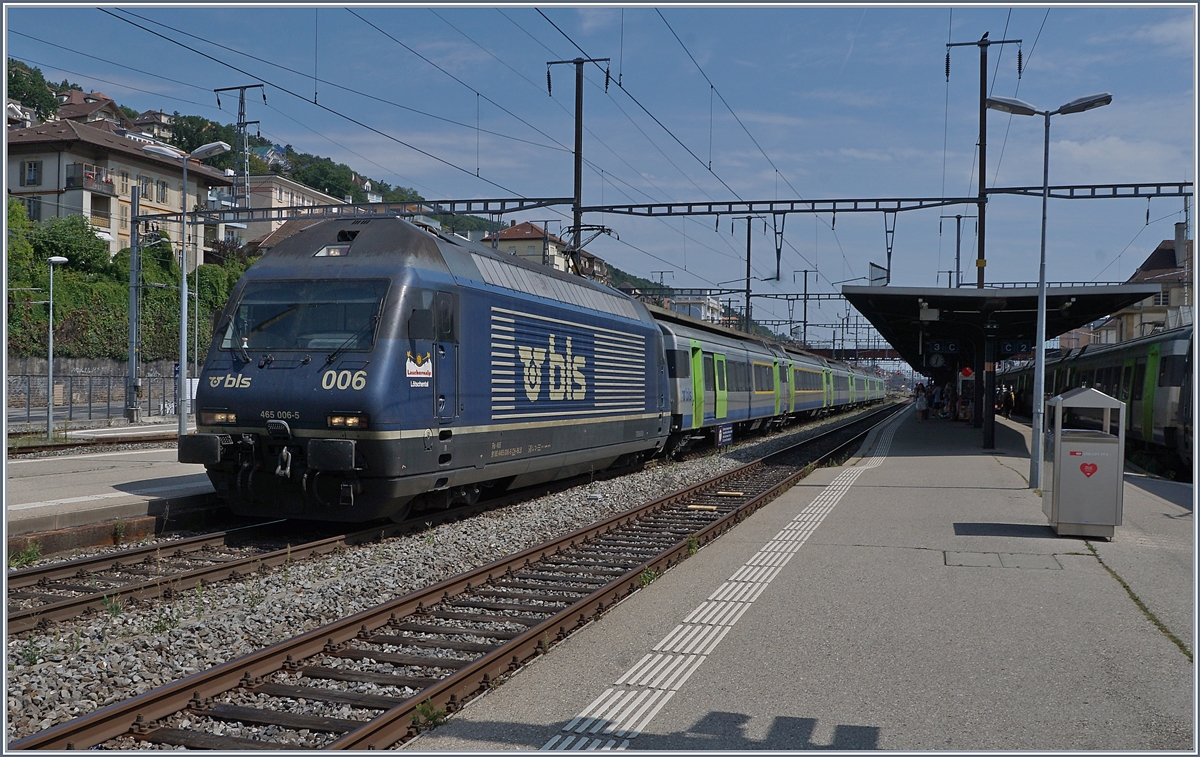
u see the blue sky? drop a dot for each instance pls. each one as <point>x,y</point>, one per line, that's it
<point>823,103</point>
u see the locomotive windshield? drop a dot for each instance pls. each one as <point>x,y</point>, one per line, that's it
<point>306,315</point>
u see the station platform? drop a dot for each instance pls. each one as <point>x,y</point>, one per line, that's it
<point>72,501</point>
<point>912,599</point>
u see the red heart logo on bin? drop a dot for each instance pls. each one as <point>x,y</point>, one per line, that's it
<point>1088,469</point>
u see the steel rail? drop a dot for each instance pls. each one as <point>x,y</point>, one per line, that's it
<point>19,579</point>
<point>24,619</point>
<point>452,692</point>
<point>132,715</point>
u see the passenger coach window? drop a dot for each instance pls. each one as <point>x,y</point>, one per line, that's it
<point>1139,380</point>
<point>679,366</point>
<point>709,376</point>
<point>764,378</point>
<point>1171,370</point>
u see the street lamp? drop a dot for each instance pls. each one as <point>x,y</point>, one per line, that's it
<point>55,260</point>
<point>200,153</point>
<point>1021,108</point>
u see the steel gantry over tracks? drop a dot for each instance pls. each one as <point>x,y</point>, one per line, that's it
<point>343,211</point>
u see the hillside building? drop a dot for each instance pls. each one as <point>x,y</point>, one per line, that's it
<point>67,167</point>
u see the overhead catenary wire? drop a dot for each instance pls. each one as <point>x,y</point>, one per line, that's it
<point>713,90</point>
<point>556,147</point>
<point>661,125</point>
<point>455,78</point>
<point>478,94</point>
<point>52,67</point>
<point>1004,142</point>
<point>142,71</point>
<point>206,106</point>
<point>1147,225</point>
<point>306,100</point>
<point>591,165</point>
<point>333,111</point>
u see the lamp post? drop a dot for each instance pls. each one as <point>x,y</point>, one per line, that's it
<point>1022,108</point>
<point>55,260</point>
<point>200,153</point>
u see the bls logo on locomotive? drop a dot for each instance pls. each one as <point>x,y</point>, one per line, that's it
<point>565,380</point>
<point>230,381</point>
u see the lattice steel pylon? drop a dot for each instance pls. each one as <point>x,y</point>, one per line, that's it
<point>241,187</point>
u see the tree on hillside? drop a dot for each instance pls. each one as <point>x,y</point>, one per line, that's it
<point>190,132</point>
<point>130,113</point>
<point>27,86</point>
<point>66,85</point>
<point>335,179</point>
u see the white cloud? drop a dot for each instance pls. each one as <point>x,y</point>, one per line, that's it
<point>597,19</point>
<point>1174,37</point>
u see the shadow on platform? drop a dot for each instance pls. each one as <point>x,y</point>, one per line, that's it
<point>1174,492</point>
<point>715,731</point>
<point>1018,530</point>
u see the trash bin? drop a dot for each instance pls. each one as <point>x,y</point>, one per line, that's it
<point>1082,481</point>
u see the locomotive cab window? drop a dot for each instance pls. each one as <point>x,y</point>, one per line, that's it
<point>432,315</point>
<point>306,315</point>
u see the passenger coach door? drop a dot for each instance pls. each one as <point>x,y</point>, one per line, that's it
<point>722,405</point>
<point>445,369</point>
<point>697,384</point>
<point>710,387</point>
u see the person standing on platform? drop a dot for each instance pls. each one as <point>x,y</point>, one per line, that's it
<point>922,403</point>
<point>936,405</point>
<point>1007,401</point>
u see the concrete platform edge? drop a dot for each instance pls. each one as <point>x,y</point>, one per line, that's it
<point>96,527</point>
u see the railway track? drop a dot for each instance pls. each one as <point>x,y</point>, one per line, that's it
<point>376,678</point>
<point>54,592</point>
<point>59,591</point>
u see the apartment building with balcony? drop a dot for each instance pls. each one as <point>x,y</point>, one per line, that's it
<point>66,168</point>
<point>272,191</point>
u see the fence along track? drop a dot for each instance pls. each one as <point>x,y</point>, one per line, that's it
<point>559,586</point>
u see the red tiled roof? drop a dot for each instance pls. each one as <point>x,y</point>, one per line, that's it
<point>523,230</point>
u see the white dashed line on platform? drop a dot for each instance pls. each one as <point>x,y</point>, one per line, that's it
<point>625,712</point>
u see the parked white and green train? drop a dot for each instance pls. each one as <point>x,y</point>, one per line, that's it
<point>722,379</point>
<point>1152,375</point>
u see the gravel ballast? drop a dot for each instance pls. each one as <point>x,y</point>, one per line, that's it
<point>86,663</point>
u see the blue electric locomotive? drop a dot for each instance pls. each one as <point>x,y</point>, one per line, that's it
<point>364,367</point>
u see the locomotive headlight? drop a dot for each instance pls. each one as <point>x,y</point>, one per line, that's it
<point>346,420</point>
<point>212,417</point>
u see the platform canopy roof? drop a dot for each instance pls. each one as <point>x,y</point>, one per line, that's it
<point>908,317</point>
